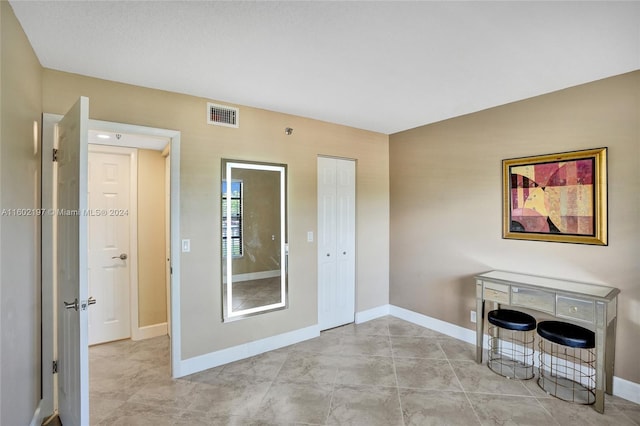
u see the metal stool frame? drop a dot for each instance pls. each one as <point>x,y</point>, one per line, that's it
<point>567,373</point>
<point>511,352</point>
<point>511,343</point>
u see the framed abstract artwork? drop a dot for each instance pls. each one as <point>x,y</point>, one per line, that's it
<point>556,197</point>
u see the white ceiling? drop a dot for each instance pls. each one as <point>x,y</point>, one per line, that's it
<point>385,66</point>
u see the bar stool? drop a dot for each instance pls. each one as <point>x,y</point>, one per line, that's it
<point>511,343</point>
<point>567,361</point>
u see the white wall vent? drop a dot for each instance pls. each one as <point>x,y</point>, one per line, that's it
<point>222,115</point>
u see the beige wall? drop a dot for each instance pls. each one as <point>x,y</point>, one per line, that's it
<point>446,203</point>
<point>152,290</point>
<point>261,220</point>
<point>20,106</point>
<point>261,138</point>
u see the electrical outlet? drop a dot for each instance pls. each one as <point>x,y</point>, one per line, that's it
<point>473,316</point>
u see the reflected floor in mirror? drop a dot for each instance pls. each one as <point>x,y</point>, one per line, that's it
<point>382,372</point>
<point>254,293</point>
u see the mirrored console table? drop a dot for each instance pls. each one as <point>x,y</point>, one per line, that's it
<point>588,305</point>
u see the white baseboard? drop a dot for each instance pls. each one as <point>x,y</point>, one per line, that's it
<point>149,331</point>
<point>236,353</point>
<point>626,389</point>
<point>370,314</point>
<point>434,324</point>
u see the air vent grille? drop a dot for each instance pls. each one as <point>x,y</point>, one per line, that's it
<point>222,115</point>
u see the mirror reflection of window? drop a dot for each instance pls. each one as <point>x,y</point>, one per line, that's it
<point>253,238</point>
<point>236,218</point>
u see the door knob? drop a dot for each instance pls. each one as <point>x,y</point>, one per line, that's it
<point>122,256</point>
<point>72,305</point>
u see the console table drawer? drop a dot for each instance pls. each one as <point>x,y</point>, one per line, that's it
<point>496,292</point>
<point>578,309</point>
<point>540,300</point>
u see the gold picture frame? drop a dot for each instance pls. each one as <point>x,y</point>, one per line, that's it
<point>556,197</point>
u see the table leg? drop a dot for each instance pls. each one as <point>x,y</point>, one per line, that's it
<point>610,355</point>
<point>479,327</point>
<point>601,344</point>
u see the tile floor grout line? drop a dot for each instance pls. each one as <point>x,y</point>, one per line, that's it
<point>253,417</point>
<point>545,410</point>
<point>625,415</point>
<point>395,373</point>
<point>333,386</point>
<point>475,413</point>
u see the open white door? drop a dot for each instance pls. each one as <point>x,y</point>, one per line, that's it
<point>71,248</point>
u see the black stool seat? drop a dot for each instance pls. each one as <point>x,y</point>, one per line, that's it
<point>511,320</point>
<point>566,334</point>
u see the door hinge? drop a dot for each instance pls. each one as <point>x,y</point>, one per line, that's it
<point>54,367</point>
<point>55,155</point>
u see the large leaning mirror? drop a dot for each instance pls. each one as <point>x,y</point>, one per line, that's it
<point>254,235</point>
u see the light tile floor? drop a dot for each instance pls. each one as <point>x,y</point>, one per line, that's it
<point>382,372</point>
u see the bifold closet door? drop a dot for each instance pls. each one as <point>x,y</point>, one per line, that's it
<point>336,242</point>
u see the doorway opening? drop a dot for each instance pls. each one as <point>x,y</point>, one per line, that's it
<point>128,236</point>
<point>169,150</point>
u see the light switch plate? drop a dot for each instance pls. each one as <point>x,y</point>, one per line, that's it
<point>310,236</point>
<point>186,246</point>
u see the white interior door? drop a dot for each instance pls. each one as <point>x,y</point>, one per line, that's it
<point>336,242</point>
<point>109,251</point>
<point>71,253</point>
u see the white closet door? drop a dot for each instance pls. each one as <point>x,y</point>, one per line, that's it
<point>336,242</point>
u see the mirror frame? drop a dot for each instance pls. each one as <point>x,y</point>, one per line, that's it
<point>228,314</point>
